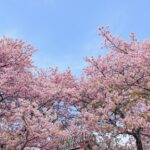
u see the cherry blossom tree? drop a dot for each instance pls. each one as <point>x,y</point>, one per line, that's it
<point>35,105</point>
<point>40,108</point>
<point>115,90</point>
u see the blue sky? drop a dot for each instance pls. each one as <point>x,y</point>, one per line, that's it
<point>65,31</point>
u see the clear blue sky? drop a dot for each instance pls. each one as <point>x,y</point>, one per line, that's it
<point>65,31</point>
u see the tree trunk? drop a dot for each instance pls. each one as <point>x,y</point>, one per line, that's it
<point>138,141</point>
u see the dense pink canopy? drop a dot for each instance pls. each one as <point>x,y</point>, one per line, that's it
<point>40,108</point>
<point>115,89</point>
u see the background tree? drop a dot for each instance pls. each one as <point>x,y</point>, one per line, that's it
<point>34,104</point>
